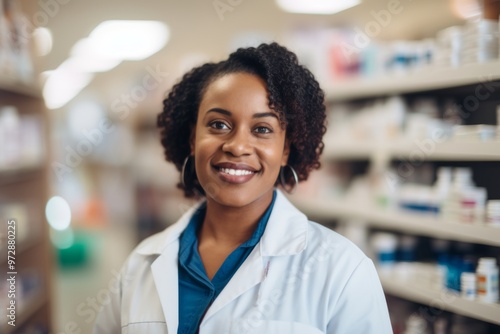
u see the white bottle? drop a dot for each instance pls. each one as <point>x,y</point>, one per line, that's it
<point>487,280</point>
<point>462,182</point>
<point>493,213</point>
<point>443,185</point>
<point>468,285</point>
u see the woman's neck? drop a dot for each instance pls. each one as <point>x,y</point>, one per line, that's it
<point>232,226</point>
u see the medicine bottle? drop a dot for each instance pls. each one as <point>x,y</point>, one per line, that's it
<point>493,213</point>
<point>487,280</point>
<point>468,286</point>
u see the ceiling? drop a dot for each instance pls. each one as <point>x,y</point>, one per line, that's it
<point>197,31</point>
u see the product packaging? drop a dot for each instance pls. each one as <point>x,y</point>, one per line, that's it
<point>487,280</point>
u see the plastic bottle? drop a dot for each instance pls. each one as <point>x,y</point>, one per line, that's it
<point>442,185</point>
<point>468,285</point>
<point>385,245</point>
<point>453,273</point>
<point>407,248</point>
<point>487,280</point>
<point>493,213</point>
<point>440,248</point>
<point>465,202</point>
<point>416,325</point>
<point>452,206</point>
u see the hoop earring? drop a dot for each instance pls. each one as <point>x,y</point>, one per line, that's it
<point>283,180</point>
<point>183,170</point>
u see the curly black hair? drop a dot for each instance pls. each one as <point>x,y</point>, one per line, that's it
<point>293,93</point>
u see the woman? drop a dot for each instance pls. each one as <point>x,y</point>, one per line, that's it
<point>245,260</point>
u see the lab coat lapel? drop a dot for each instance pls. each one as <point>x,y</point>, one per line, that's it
<point>246,277</point>
<point>164,268</point>
<point>165,275</point>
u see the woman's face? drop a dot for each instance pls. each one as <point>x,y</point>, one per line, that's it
<point>238,143</point>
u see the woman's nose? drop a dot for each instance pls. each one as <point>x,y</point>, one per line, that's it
<point>238,144</point>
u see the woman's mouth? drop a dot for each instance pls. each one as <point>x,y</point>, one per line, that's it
<point>235,171</point>
<point>234,175</point>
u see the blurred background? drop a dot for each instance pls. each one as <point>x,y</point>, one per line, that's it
<point>410,171</point>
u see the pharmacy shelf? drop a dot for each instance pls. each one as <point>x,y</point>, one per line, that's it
<point>19,88</point>
<point>417,150</point>
<point>432,78</point>
<point>21,247</point>
<point>21,174</point>
<point>420,224</point>
<point>421,291</point>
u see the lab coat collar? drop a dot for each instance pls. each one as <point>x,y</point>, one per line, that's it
<point>286,230</point>
<point>285,234</point>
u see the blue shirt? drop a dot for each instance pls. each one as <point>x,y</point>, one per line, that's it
<point>196,291</point>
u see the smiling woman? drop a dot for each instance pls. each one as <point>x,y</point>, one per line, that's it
<point>240,261</point>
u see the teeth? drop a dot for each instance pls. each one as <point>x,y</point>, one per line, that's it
<point>235,171</point>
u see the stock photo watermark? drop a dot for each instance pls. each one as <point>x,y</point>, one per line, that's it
<point>121,107</point>
<point>11,273</point>
<point>223,6</point>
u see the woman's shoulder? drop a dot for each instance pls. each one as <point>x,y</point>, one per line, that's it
<point>340,248</point>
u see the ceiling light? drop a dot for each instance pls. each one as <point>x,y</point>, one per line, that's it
<point>316,6</point>
<point>90,63</point>
<point>125,40</point>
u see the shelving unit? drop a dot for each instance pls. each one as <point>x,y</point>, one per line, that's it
<point>24,185</point>
<point>422,292</point>
<point>428,79</point>
<point>445,151</point>
<point>400,221</point>
<point>28,185</point>
<point>462,81</point>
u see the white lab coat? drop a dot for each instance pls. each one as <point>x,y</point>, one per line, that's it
<point>300,278</point>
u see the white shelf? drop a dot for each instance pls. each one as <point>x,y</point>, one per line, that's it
<point>421,291</point>
<point>446,151</point>
<point>400,221</point>
<point>425,80</point>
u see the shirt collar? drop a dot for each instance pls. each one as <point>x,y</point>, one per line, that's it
<point>259,231</point>
<point>189,236</point>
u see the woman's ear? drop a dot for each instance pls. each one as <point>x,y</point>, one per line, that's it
<point>286,152</point>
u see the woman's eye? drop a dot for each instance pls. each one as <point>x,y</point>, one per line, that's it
<point>219,125</point>
<point>263,130</point>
